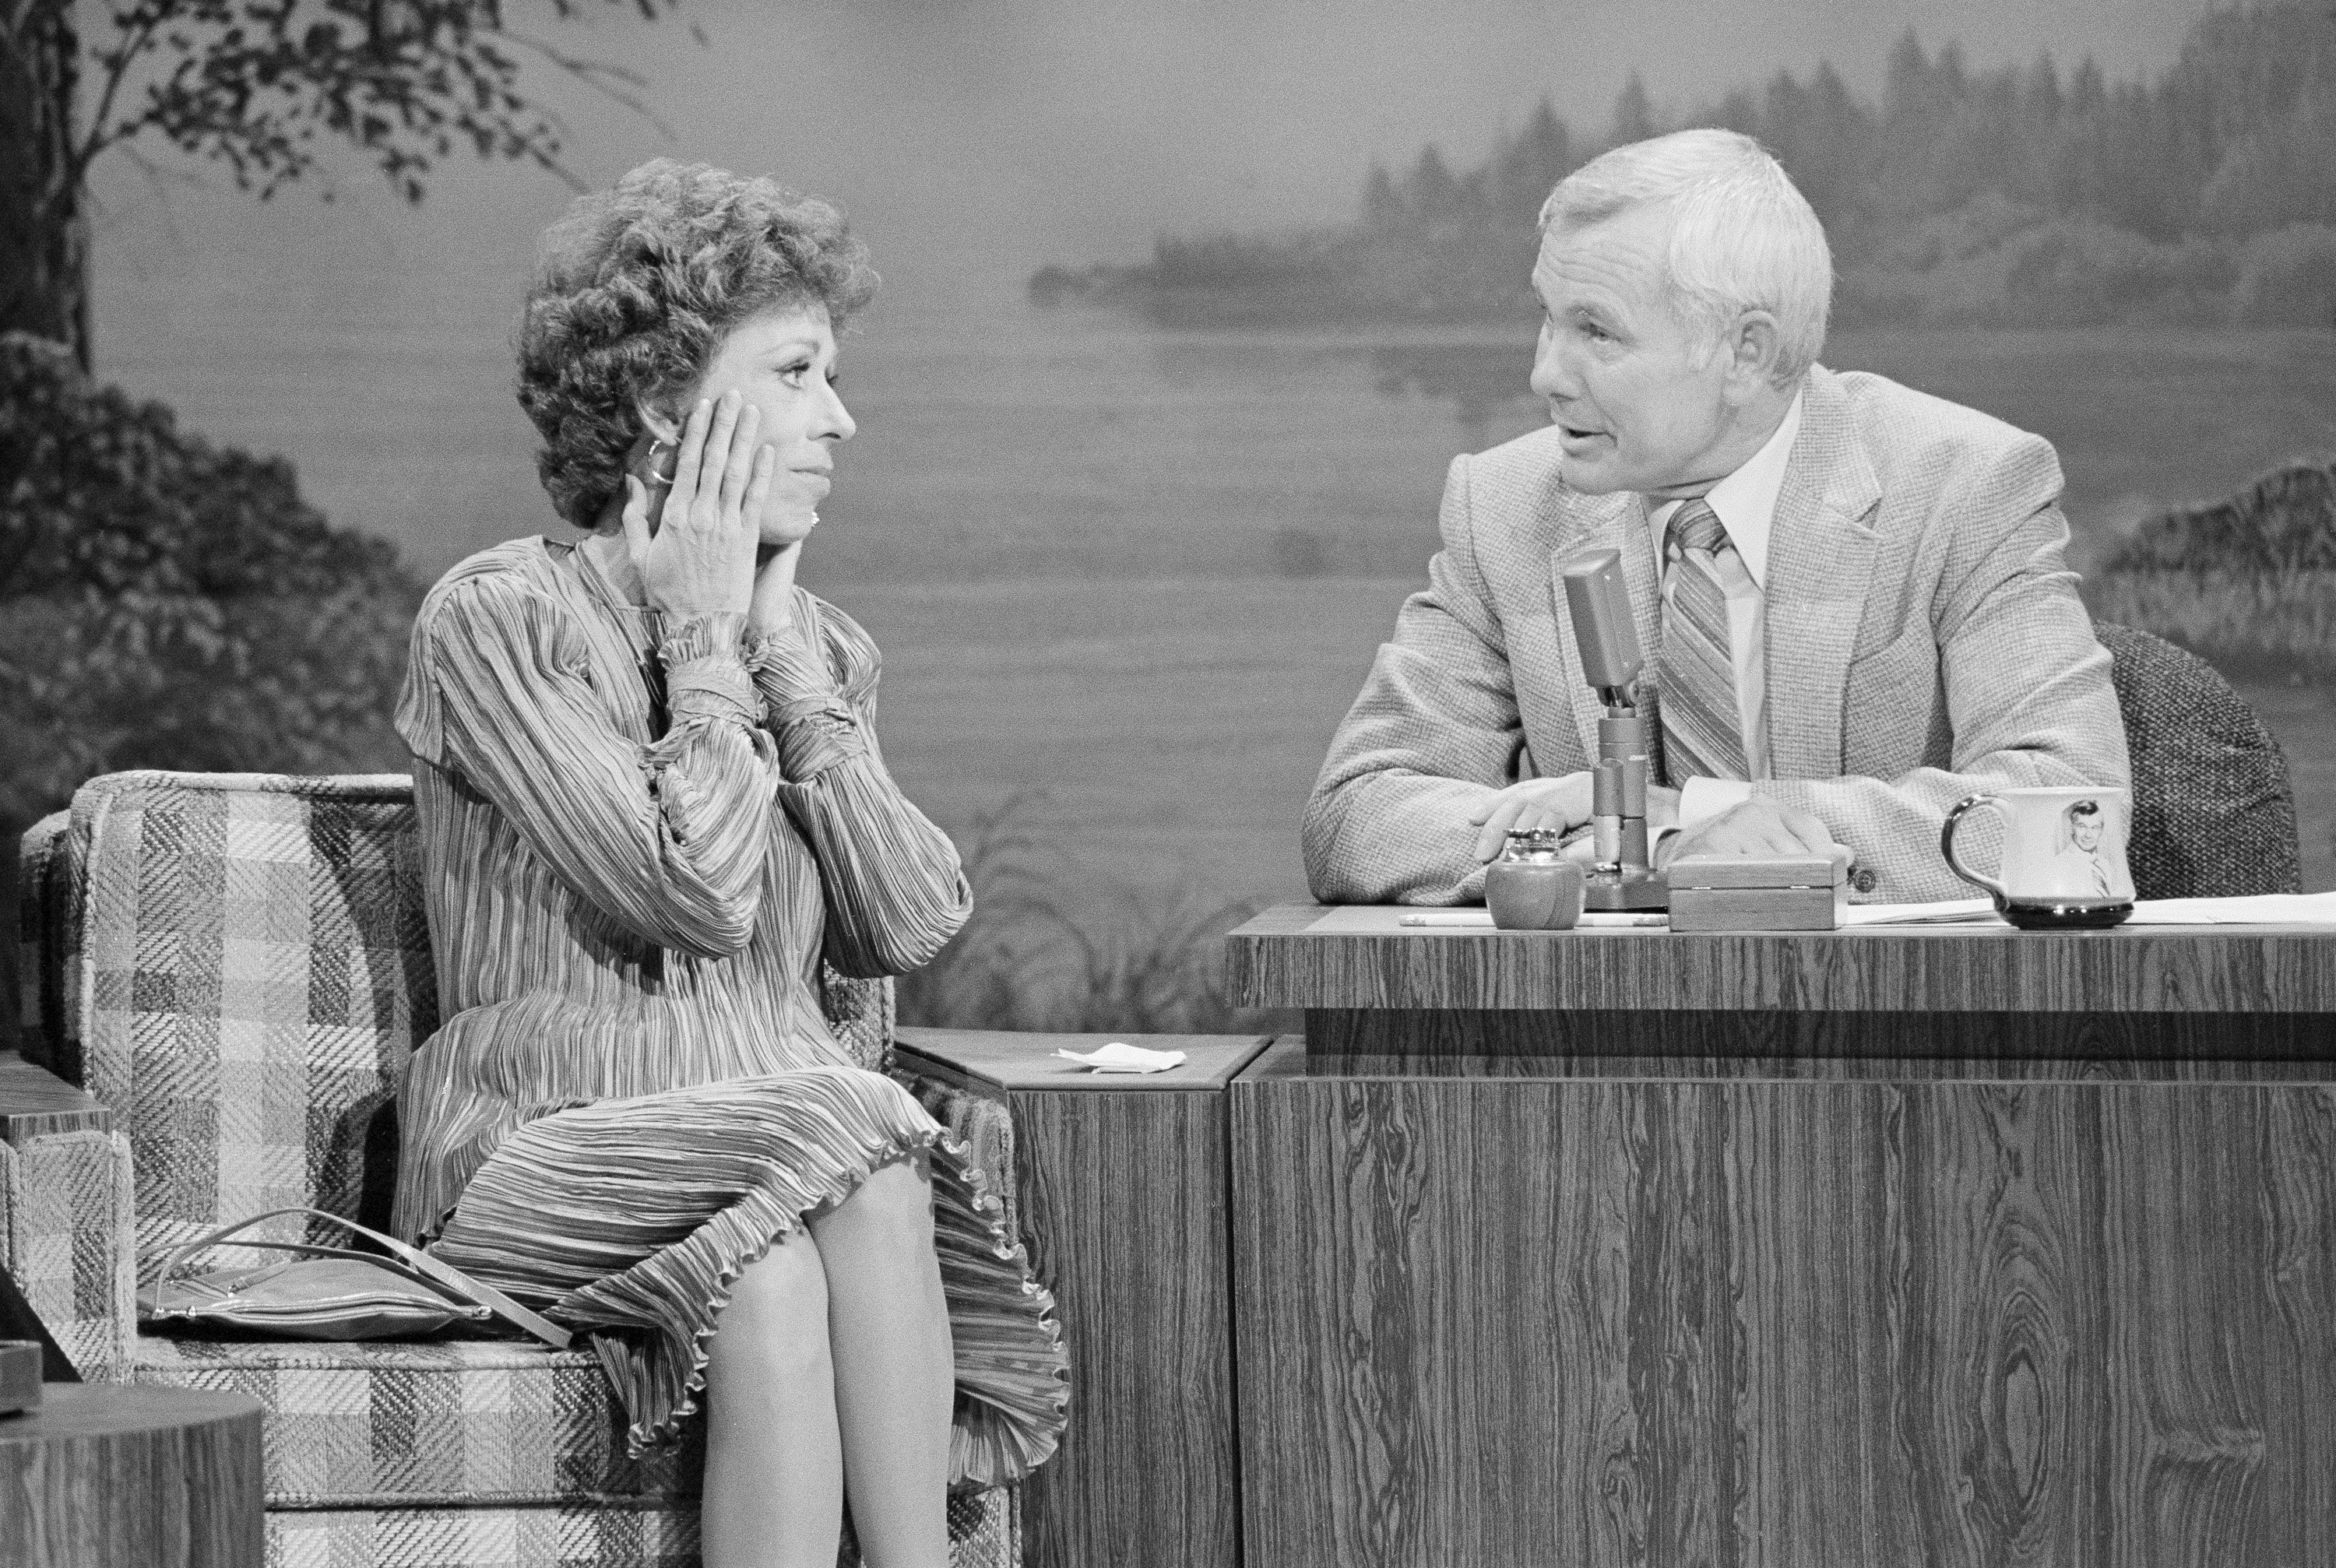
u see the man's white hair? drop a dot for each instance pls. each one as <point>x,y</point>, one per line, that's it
<point>1742,237</point>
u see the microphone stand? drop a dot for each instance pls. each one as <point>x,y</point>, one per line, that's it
<point>1599,604</point>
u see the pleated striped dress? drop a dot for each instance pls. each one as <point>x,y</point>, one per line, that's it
<point>638,841</point>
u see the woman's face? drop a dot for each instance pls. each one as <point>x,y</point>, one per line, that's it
<point>783,362</point>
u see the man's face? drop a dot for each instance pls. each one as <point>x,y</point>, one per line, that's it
<point>1618,365</point>
<point>2086,832</point>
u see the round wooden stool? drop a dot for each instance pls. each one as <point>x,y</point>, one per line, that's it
<point>100,1476</point>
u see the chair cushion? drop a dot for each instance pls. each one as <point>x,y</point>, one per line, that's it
<point>476,1422</point>
<point>983,1531</point>
<point>658,1537</point>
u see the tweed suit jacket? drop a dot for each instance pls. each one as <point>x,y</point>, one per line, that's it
<point>1925,641</point>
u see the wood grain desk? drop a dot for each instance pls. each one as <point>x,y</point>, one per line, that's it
<point>109,1476</point>
<point>1811,1250</point>
<point>1121,1179</point>
<point>33,1102</point>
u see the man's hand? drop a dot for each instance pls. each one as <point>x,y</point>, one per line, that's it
<point>1562,803</point>
<point>1758,826</point>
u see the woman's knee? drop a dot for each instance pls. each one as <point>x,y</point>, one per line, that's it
<point>776,1316</point>
<point>895,1202</point>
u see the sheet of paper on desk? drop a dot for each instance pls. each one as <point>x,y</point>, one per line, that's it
<point>2257,910</point>
<point>1948,913</point>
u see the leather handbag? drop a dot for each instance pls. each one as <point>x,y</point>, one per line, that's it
<point>331,1292</point>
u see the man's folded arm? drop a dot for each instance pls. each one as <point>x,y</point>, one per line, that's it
<point>2027,694</point>
<point>1434,735</point>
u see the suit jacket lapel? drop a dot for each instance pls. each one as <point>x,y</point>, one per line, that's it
<point>1602,522</point>
<point>1820,555</point>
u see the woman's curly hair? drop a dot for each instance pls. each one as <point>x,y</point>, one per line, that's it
<point>635,289</point>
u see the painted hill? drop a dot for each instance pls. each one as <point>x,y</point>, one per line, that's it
<point>2248,583</point>
<point>2020,197</point>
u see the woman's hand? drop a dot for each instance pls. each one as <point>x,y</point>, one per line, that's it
<point>700,560</point>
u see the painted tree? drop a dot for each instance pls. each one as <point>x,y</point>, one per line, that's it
<point>262,87</point>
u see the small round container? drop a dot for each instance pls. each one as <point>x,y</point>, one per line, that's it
<point>1533,886</point>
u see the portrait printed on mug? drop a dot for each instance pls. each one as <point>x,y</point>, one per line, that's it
<point>2083,853</point>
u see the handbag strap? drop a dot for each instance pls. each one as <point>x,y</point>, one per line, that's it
<point>435,1271</point>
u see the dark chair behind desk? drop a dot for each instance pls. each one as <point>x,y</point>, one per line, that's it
<point>2212,811</point>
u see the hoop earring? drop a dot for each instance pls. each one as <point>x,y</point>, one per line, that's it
<point>656,475</point>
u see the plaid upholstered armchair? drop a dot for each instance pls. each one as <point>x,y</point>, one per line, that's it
<point>238,966</point>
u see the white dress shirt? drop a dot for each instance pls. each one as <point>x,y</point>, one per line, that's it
<point>1746,505</point>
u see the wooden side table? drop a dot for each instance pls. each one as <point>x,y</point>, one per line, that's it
<point>34,1101</point>
<point>105,1476</point>
<point>1123,1184</point>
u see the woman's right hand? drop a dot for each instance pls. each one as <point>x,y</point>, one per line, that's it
<point>700,558</point>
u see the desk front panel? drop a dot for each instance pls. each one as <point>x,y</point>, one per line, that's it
<point>1802,1323</point>
<point>1539,1041</point>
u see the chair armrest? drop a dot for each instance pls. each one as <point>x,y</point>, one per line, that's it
<point>48,931</point>
<point>66,1235</point>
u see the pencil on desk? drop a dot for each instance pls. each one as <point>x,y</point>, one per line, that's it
<point>1481,921</point>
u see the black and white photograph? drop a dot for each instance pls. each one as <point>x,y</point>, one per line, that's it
<point>1312,783</point>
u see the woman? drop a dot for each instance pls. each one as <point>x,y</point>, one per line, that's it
<point>651,802</point>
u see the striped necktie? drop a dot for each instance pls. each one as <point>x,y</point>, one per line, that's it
<point>1702,727</point>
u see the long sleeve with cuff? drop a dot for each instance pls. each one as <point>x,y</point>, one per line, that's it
<point>894,888</point>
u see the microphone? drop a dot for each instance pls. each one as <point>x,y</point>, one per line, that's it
<point>1598,602</point>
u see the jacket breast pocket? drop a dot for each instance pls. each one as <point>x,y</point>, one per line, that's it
<point>1910,657</point>
<point>1893,713</point>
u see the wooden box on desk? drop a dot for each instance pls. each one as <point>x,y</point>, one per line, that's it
<point>1122,1182</point>
<point>1756,892</point>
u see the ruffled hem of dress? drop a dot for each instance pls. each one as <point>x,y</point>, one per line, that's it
<point>1013,1418</point>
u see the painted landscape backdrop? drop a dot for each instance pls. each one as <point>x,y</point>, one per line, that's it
<point>2026,196</point>
<point>1129,532</point>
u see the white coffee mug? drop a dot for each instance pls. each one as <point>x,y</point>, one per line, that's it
<point>2063,854</point>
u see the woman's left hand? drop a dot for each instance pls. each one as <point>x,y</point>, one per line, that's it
<point>773,608</point>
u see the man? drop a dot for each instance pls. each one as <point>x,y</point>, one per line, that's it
<point>1852,594</point>
<point>2081,829</point>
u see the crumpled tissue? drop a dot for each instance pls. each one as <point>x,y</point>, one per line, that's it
<point>1122,1057</point>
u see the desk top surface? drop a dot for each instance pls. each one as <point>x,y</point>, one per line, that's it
<point>1021,1061</point>
<point>34,1101</point>
<point>1281,960</point>
<point>79,1411</point>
